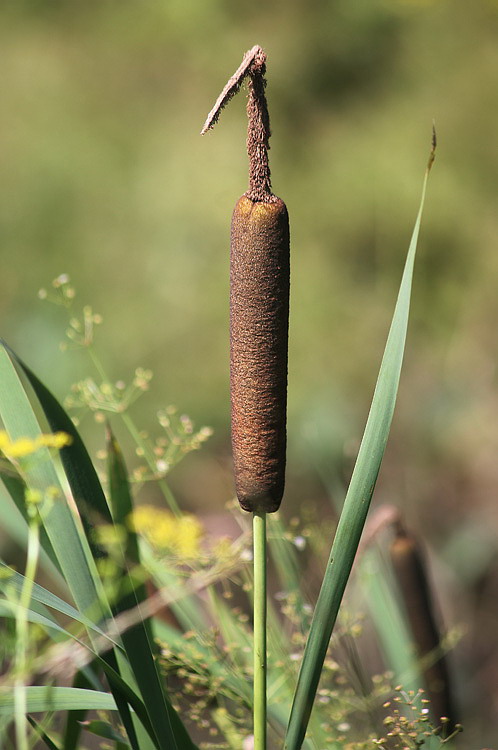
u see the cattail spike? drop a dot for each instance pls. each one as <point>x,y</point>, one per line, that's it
<point>408,564</point>
<point>259,307</point>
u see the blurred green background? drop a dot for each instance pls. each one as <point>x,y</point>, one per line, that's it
<point>106,178</point>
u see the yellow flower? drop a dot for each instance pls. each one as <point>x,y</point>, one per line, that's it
<point>56,440</point>
<point>180,536</point>
<point>20,448</point>
<point>188,537</point>
<point>33,497</point>
<point>25,446</point>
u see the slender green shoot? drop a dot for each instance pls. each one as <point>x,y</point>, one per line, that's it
<point>260,660</point>
<point>22,636</point>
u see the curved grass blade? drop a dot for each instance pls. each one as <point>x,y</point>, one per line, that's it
<point>104,729</point>
<point>43,735</point>
<point>59,521</point>
<point>79,469</point>
<point>357,500</point>
<point>16,522</point>
<point>12,579</point>
<point>8,609</point>
<point>47,698</point>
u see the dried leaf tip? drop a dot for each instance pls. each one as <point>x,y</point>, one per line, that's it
<point>253,60</point>
<point>432,155</point>
<point>253,66</point>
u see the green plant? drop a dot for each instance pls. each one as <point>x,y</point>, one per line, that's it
<point>106,633</point>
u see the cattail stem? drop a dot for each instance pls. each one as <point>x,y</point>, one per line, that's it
<point>260,660</point>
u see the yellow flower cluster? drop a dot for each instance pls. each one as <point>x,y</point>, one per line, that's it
<point>180,536</point>
<point>26,446</point>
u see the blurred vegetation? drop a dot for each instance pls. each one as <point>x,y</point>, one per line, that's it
<point>105,178</point>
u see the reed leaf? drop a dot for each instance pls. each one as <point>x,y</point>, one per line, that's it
<point>48,698</point>
<point>357,501</point>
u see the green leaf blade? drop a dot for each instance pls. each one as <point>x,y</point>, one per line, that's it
<point>357,502</point>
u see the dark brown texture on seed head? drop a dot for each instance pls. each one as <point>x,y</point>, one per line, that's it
<point>259,314</point>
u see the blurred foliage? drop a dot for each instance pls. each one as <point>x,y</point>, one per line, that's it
<point>105,177</point>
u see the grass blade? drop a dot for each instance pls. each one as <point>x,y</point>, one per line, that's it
<point>48,698</point>
<point>80,471</point>
<point>14,581</point>
<point>357,501</point>
<point>60,523</point>
<point>16,520</point>
<point>43,735</point>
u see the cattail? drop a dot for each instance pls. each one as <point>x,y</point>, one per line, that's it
<point>259,308</point>
<point>409,567</point>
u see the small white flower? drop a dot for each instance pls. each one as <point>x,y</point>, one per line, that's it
<point>300,542</point>
<point>60,280</point>
<point>344,727</point>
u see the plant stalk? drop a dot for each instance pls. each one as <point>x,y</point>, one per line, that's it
<point>260,660</point>
<point>22,636</point>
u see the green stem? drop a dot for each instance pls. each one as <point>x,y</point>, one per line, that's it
<point>135,434</point>
<point>260,664</point>
<point>22,636</point>
<point>149,457</point>
<point>97,364</point>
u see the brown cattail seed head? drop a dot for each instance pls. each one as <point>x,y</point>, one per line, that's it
<point>259,316</point>
<point>409,567</point>
<point>259,307</point>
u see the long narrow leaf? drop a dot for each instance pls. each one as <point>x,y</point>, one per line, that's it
<point>8,609</point>
<point>15,521</point>
<point>47,698</point>
<point>44,736</point>
<point>59,521</point>
<point>357,501</point>
<point>15,581</point>
<point>78,466</point>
